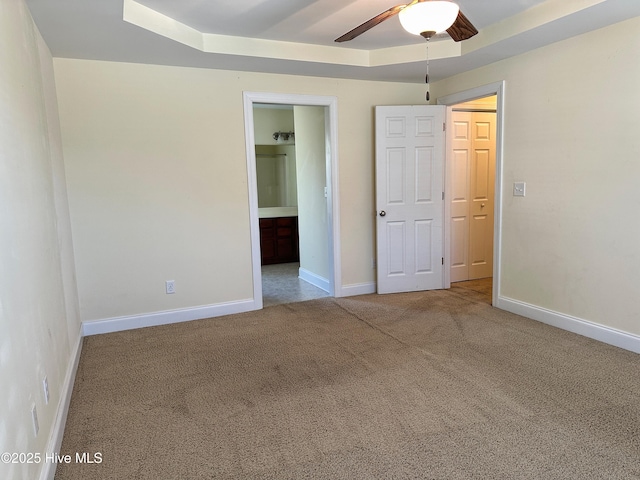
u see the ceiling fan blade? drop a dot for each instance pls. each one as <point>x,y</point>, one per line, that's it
<point>461,29</point>
<point>369,24</point>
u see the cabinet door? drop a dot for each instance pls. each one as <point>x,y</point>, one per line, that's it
<point>279,240</point>
<point>268,248</point>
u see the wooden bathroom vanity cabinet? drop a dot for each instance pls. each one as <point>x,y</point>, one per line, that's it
<point>279,240</point>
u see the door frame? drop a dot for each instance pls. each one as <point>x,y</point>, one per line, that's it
<point>331,146</point>
<point>498,89</point>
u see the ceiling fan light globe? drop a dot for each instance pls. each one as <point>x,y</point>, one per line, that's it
<point>429,16</point>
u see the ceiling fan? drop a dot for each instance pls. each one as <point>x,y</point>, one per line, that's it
<point>422,17</point>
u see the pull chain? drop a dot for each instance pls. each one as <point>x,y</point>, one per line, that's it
<point>427,76</point>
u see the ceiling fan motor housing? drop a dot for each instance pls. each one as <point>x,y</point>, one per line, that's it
<point>432,15</point>
<point>422,17</point>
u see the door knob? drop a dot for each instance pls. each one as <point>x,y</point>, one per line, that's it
<point>482,205</point>
<point>382,213</point>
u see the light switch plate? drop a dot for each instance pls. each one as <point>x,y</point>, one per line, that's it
<point>519,189</point>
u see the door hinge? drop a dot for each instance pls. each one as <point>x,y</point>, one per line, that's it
<point>443,195</point>
<point>444,127</point>
<point>443,260</point>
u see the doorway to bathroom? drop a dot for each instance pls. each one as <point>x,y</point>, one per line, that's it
<point>291,164</point>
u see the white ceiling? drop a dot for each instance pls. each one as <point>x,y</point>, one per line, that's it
<point>296,37</point>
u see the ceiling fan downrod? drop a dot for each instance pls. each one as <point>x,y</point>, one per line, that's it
<point>426,78</point>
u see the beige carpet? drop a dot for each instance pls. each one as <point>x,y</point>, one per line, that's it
<point>433,385</point>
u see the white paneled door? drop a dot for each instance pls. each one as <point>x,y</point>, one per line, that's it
<point>472,194</point>
<point>409,197</point>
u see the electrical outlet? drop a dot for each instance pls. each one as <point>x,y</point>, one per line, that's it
<point>171,286</point>
<point>34,417</point>
<point>519,189</point>
<point>45,387</point>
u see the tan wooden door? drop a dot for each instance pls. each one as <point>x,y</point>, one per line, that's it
<point>472,197</point>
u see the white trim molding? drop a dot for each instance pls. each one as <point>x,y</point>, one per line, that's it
<point>118,324</point>
<point>358,289</point>
<point>315,280</point>
<point>608,335</point>
<point>48,471</point>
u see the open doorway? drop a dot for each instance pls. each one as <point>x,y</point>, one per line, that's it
<point>471,150</point>
<point>291,177</point>
<point>308,173</point>
<point>472,259</point>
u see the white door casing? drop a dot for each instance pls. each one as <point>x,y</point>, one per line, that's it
<point>409,197</point>
<point>498,89</point>
<point>332,182</point>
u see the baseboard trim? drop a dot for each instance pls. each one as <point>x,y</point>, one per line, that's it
<point>48,471</point>
<point>118,324</point>
<point>611,336</point>
<point>358,289</point>
<point>315,280</point>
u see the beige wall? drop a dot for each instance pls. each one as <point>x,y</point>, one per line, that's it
<point>39,321</point>
<point>267,121</point>
<point>156,171</point>
<point>571,133</point>
<point>311,161</point>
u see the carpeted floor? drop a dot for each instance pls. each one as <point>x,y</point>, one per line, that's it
<point>433,385</point>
